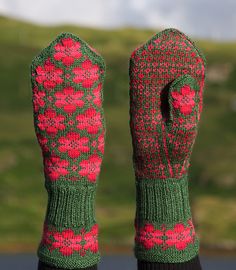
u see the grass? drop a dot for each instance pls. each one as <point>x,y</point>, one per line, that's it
<point>23,198</point>
<point>208,215</point>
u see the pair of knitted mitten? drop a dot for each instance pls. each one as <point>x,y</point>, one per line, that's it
<point>67,80</point>
<point>166,85</point>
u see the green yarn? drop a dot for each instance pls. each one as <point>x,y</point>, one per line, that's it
<point>167,76</point>
<point>164,204</point>
<point>70,206</point>
<point>72,262</point>
<point>170,255</point>
<point>67,80</point>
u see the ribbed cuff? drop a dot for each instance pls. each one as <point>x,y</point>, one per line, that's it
<point>70,205</point>
<point>193,264</point>
<point>164,229</point>
<point>69,240</point>
<point>44,266</point>
<point>162,200</point>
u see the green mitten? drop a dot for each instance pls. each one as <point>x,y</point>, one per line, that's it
<point>67,80</point>
<point>166,86</point>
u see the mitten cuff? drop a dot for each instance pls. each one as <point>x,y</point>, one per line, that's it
<point>164,227</point>
<point>70,236</point>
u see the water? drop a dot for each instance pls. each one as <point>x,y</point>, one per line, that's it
<point>29,262</point>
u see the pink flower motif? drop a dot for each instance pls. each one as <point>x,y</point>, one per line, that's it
<point>48,75</point>
<point>179,237</point>
<point>67,51</point>
<point>149,237</point>
<point>67,242</point>
<point>87,74</point>
<point>69,99</point>
<point>55,167</point>
<point>184,101</point>
<point>89,120</point>
<point>38,99</point>
<point>51,122</point>
<point>91,239</point>
<point>97,95</point>
<point>73,144</point>
<point>91,167</point>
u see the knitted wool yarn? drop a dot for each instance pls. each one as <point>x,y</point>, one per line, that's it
<point>67,80</point>
<point>166,86</point>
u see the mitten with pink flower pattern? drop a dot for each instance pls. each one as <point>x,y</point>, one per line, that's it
<point>67,80</point>
<point>166,86</point>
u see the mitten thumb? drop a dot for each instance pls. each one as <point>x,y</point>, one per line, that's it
<point>184,102</point>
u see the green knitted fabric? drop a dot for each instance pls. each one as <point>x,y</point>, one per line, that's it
<point>67,80</point>
<point>166,85</point>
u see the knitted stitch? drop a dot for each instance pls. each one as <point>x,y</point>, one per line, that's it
<point>166,85</point>
<point>67,79</point>
<point>44,266</point>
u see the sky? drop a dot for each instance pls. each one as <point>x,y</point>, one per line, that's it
<point>212,19</point>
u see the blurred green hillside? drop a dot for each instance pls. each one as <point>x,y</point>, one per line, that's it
<point>22,196</point>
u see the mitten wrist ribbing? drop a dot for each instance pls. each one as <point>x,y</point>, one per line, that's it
<point>70,204</point>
